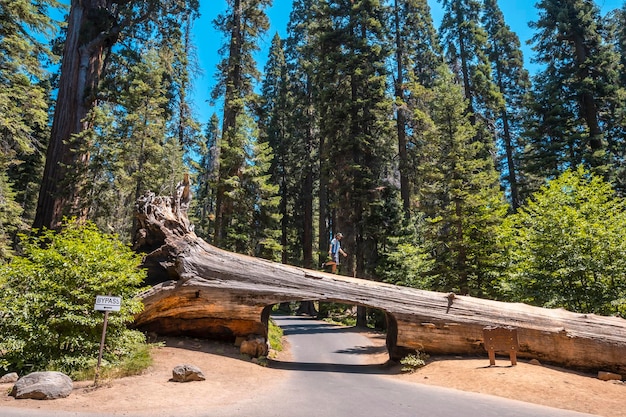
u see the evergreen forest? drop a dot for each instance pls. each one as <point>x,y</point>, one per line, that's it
<point>443,161</point>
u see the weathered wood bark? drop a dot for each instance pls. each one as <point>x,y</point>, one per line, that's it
<point>90,33</point>
<point>207,292</point>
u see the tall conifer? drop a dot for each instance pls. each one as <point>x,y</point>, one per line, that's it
<point>354,113</point>
<point>132,151</point>
<point>274,113</point>
<point>242,25</point>
<point>93,29</point>
<point>354,118</point>
<point>417,57</point>
<point>24,94</point>
<point>616,130</point>
<point>302,56</point>
<point>573,90</point>
<point>465,40</point>
<point>206,181</point>
<point>143,125</point>
<point>513,82</point>
<point>460,197</point>
<point>253,227</point>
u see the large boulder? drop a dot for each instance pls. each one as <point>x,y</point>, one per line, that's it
<point>48,385</point>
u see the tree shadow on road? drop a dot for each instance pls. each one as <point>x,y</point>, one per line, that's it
<point>376,369</point>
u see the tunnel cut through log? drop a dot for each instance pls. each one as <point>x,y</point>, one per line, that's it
<point>204,291</point>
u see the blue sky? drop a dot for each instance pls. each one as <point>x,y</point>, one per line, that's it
<point>517,14</point>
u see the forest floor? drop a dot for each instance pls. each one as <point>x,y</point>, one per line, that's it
<point>230,377</point>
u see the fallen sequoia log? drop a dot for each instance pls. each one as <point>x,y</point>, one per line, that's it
<point>202,291</point>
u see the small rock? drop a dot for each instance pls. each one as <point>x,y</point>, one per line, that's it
<point>9,378</point>
<point>534,362</point>
<point>187,373</point>
<point>42,386</point>
<point>608,376</point>
<point>254,347</point>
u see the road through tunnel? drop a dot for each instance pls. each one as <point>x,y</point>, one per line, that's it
<point>335,317</point>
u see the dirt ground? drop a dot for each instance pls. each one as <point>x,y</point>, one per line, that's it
<point>230,377</point>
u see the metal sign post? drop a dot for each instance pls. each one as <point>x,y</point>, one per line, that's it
<point>108,303</point>
<point>105,303</point>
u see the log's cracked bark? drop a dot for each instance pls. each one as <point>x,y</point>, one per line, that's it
<point>204,291</point>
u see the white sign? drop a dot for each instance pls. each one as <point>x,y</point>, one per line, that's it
<point>108,303</point>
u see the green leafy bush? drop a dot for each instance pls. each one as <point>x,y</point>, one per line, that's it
<point>566,247</point>
<point>275,336</point>
<point>139,358</point>
<point>47,297</point>
<point>412,362</point>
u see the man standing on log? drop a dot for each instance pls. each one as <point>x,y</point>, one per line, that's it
<point>335,248</point>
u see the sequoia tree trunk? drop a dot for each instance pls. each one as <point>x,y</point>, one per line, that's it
<point>90,32</point>
<point>207,292</point>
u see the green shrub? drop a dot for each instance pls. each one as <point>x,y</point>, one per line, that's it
<point>566,247</point>
<point>134,363</point>
<point>412,362</point>
<point>275,336</point>
<point>47,297</point>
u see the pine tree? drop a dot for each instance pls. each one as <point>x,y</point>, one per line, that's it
<point>253,228</point>
<point>616,130</point>
<point>616,21</point>
<point>23,94</point>
<point>143,125</point>
<point>274,113</point>
<point>181,67</point>
<point>266,233</point>
<point>24,102</point>
<point>513,82</point>
<point>573,90</point>
<point>460,197</point>
<point>242,26</point>
<point>418,55</point>
<point>206,181</point>
<point>10,213</point>
<point>354,118</point>
<point>132,151</point>
<point>466,52</point>
<point>305,52</point>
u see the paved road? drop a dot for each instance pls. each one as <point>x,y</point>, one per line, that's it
<point>328,378</point>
